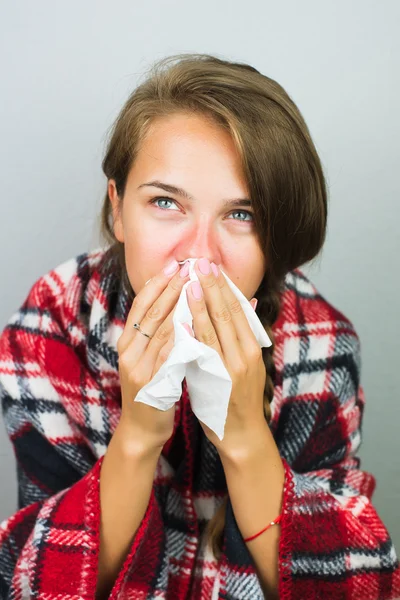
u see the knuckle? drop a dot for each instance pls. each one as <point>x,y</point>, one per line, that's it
<point>154,313</point>
<point>239,369</point>
<point>221,282</point>
<point>132,379</point>
<point>123,362</point>
<point>201,311</point>
<point>254,353</point>
<point>162,333</point>
<point>222,316</point>
<point>235,306</point>
<point>209,283</point>
<point>209,337</point>
<point>176,284</point>
<point>135,384</point>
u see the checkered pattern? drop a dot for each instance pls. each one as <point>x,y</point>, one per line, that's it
<point>60,393</point>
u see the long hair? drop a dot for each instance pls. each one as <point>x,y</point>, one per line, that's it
<point>280,164</point>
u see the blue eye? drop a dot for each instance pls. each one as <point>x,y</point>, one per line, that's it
<point>166,199</point>
<point>160,198</point>
<point>244,212</point>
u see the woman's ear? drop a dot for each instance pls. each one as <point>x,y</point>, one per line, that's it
<point>116,210</point>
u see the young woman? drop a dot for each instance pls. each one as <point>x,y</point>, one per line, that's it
<point>211,160</point>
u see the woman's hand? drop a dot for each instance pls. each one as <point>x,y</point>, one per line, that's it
<point>140,358</point>
<point>219,322</point>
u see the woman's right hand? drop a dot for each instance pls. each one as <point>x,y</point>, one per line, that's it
<point>140,358</point>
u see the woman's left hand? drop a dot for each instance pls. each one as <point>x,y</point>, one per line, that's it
<point>220,322</point>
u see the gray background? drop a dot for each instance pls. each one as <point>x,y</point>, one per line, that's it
<point>67,68</point>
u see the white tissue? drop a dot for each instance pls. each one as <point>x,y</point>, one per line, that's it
<point>208,382</point>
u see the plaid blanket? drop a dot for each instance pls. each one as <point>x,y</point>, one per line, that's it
<point>60,393</point>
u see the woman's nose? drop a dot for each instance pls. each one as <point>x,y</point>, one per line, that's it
<point>201,242</point>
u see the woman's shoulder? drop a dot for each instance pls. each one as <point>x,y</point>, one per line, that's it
<point>306,312</point>
<point>67,282</point>
<point>60,302</point>
<point>317,349</point>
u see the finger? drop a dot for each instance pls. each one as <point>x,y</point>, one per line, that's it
<point>244,333</point>
<point>159,339</point>
<point>218,314</point>
<point>144,359</point>
<point>142,301</point>
<point>163,354</point>
<point>158,350</point>
<point>203,327</point>
<point>151,306</point>
<point>158,343</point>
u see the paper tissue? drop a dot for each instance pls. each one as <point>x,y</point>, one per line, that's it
<point>208,382</point>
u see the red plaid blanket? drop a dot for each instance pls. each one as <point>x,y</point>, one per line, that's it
<point>60,393</point>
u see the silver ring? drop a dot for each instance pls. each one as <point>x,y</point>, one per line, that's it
<point>137,326</point>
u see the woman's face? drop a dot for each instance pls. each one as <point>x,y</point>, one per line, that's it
<point>198,157</point>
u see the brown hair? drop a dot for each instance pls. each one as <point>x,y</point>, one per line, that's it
<point>280,163</point>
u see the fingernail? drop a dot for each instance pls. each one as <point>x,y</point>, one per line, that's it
<point>196,290</point>
<point>184,270</point>
<point>171,268</point>
<point>204,266</point>
<point>254,303</point>
<point>215,269</point>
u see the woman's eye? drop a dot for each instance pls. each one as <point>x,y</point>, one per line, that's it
<point>237,212</point>
<point>243,212</point>
<point>155,200</point>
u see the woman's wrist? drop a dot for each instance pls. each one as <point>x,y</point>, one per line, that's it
<point>135,444</point>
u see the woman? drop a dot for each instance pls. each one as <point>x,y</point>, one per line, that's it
<point>119,499</point>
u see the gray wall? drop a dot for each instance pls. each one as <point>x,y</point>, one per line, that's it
<point>66,69</point>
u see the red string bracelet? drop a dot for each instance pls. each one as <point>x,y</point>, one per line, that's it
<point>275,522</point>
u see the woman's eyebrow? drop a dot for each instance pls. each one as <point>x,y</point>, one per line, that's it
<point>172,189</point>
